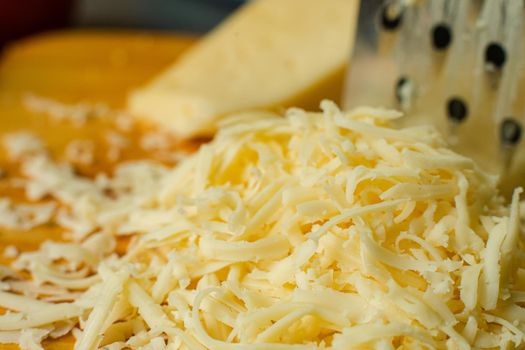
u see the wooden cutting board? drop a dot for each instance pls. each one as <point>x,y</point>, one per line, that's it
<point>72,67</point>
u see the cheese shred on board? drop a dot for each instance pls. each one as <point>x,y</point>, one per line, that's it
<point>327,230</point>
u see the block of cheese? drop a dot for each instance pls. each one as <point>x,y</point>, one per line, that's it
<point>269,54</point>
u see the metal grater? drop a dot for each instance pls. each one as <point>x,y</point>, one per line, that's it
<point>457,64</point>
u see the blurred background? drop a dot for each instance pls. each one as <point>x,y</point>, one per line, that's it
<point>19,18</point>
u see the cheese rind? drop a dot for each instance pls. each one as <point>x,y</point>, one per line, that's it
<point>271,53</point>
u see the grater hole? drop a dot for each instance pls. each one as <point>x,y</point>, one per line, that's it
<point>457,109</point>
<point>441,36</point>
<point>400,85</point>
<point>495,55</point>
<point>391,17</point>
<point>404,92</point>
<point>510,131</point>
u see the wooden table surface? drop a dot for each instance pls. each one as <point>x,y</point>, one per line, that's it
<point>74,66</point>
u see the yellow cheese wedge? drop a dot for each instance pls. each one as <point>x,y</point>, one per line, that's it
<point>269,54</point>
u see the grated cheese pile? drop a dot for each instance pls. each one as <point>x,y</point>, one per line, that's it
<point>322,230</point>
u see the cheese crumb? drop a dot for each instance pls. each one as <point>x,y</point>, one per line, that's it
<point>24,216</point>
<point>80,151</point>
<point>22,144</point>
<point>77,114</point>
<point>155,141</point>
<point>10,252</point>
